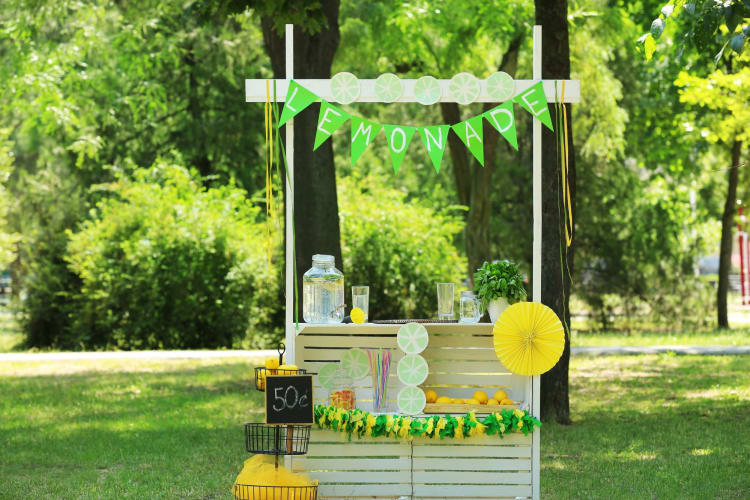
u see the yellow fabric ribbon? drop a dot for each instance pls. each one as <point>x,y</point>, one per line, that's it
<point>567,206</point>
<point>269,170</point>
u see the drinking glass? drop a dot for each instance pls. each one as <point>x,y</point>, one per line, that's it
<point>469,308</point>
<point>361,298</point>
<point>445,300</point>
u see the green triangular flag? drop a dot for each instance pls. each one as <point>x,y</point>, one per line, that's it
<point>363,133</point>
<point>329,119</point>
<point>501,117</point>
<point>470,133</point>
<point>435,139</point>
<point>398,138</point>
<point>297,99</point>
<point>534,100</point>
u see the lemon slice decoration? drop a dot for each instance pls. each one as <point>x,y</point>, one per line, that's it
<point>357,315</point>
<point>412,338</point>
<point>354,363</point>
<point>388,87</point>
<point>464,88</point>
<point>501,86</point>
<point>427,90</point>
<point>328,374</point>
<point>529,338</point>
<point>412,369</point>
<point>344,87</point>
<point>411,400</point>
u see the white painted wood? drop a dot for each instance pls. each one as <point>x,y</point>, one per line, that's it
<point>537,257</point>
<point>255,90</point>
<point>351,491</point>
<point>471,491</point>
<point>365,480</point>
<point>289,208</point>
<point>441,463</point>
<point>466,477</point>
<point>453,380</point>
<point>459,354</point>
<point>374,448</point>
<point>468,451</point>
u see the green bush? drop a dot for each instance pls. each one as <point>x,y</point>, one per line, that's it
<point>400,248</point>
<point>165,263</point>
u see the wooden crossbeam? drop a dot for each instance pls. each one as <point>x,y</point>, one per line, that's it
<point>255,90</point>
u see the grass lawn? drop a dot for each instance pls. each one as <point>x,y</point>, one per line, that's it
<point>655,426</point>
<point>713,337</point>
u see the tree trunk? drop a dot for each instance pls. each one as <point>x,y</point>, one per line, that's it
<point>727,226</point>
<point>557,260</point>
<point>316,210</point>
<point>472,180</point>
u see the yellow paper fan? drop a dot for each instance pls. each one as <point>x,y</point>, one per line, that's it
<point>529,338</point>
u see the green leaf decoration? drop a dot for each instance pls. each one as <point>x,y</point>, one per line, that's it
<point>297,99</point>
<point>329,120</point>
<point>504,121</point>
<point>435,139</point>
<point>470,133</point>
<point>398,138</point>
<point>363,133</point>
<point>534,100</point>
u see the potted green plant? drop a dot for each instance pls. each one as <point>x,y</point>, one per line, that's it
<point>499,285</point>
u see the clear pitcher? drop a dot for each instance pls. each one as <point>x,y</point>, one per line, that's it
<point>470,308</point>
<point>323,292</point>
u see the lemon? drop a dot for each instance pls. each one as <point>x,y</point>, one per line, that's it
<point>500,395</point>
<point>288,370</point>
<point>471,401</point>
<point>272,363</point>
<point>443,400</point>
<point>357,315</point>
<point>493,402</point>
<point>431,396</point>
<point>506,401</point>
<point>458,401</point>
<point>481,396</point>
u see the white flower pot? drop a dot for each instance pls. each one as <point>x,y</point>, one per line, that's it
<point>496,307</point>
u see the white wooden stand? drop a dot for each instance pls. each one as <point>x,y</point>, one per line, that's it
<point>461,360</point>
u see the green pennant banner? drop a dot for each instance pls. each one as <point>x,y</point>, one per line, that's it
<point>534,100</point>
<point>329,120</point>
<point>398,138</point>
<point>297,99</point>
<point>470,133</point>
<point>435,139</point>
<point>502,118</point>
<point>363,133</point>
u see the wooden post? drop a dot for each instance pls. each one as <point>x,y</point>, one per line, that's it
<point>289,326</point>
<point>537,255</point>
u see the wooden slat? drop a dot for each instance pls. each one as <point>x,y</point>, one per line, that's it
<point>466,366</point>
<point>459,354</point>
<point>484,342</point>
<point>364,447</point>
<point>363,490</point>
<point>471,380</point>
<point>403,476</point>
<point>348,342</point>
<point>471,491</point>
<point>509,439</point>
<point>348,464</point>
<point>432,463</point>
<point>464,477</point>
<point>453,451</point>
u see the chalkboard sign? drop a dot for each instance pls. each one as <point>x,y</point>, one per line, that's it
<point>289,399</point>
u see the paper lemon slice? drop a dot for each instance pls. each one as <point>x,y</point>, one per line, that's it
<point>412,369</point>
<point>411,400</point>
<point>388,87</point>
<point>464,88</point>
<point>354,363</point>
<point>412,338</point>
<point>529,338</point>
<point>427,90</point>
<point>328,374</point>
<point>501,86</point>
<point>357,315</point>
<point>344,87</point>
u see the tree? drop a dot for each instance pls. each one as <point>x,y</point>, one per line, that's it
<point>726,95</point>
<point>552,15</point>
<point>316,211</point>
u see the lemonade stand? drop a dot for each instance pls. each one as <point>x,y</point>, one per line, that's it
<point>388,437</point>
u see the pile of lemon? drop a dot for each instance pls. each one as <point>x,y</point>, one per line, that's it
<point>480,398</point>
<point>273,367</point>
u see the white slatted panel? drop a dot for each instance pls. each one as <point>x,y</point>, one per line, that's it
<point>461,360</point>
<point>373,468</point>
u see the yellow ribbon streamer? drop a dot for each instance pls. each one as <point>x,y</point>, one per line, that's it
<point>269,170</point>
<point>567,205</point>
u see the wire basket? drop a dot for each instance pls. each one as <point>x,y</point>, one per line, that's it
<point>277,439</point>
<point>253,492</point>
<point>261,373</point>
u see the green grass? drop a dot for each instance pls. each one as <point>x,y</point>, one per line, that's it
<point>713,337</point>
<point>655,426</point>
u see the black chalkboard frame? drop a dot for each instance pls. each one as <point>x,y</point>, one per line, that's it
<point>301,416</point>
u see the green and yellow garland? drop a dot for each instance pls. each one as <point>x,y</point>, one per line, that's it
<point>364,424</point>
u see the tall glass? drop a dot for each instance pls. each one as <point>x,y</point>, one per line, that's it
<point>361,299</point>
<point>445,300</point>
<point>469,309</point>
